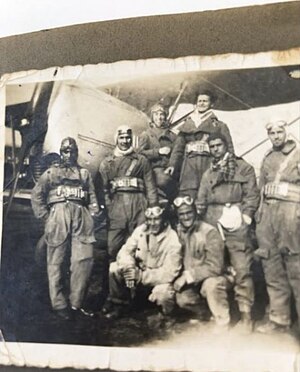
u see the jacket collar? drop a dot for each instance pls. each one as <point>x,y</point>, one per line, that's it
<point>161,236</point>
<point>190,125</point>
<point>288,147</point>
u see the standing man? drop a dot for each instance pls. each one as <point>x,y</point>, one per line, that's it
<point>150,260</point>
<point>278,227</point>
<point>129,188</point>
<point>191,152</point>
<point>228,198</point>
<point>65,199</point>
<point>156,144</point>
<point>203,265</point>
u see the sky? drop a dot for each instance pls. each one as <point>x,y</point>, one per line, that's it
<point>23,16</point>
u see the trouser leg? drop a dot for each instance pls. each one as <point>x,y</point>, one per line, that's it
<point>192,171</point>
<point>215,291</point>
<point>118,292</point>
<point>292,263</point>
<point>116,238</point>
<point>55,259</point>
<point>189,299</point>
<point>81,267</point>
<point>240,259</point>
<point>278,289</point>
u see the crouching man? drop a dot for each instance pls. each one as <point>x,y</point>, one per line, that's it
<point>150,260</point>
<point>203,264</point>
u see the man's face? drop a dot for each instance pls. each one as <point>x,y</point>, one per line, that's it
<point>217,148</point>
<point>69,157</point>
<point>203,103</point>
<point>277,137</point>
<point>124,141</point>
<point>158,117</point>
<point>155,225</point>
<point>186,215</point>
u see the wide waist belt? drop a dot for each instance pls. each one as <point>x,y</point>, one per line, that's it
<point>199,147</point>
<point>127,184</point>
<point>282,191</point>
<point>63,193</point>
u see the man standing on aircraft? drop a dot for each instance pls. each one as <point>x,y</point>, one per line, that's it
<point>129,187</point>
<point>191,151</point>
<point>203,265</point>
<point>65,199</point>
<point>156,144</point>
<point>228,198</point>
<point>278,227</point>
<point>149,261</point>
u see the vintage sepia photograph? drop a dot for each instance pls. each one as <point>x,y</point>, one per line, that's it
<point>151,208</point>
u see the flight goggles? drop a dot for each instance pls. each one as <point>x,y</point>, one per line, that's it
<point>183,200</point>
<point>154,212</point>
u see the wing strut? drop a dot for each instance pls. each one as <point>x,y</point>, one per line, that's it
<point>35,131</point>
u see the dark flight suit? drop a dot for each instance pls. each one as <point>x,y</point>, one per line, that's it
<point>64,198</point>
<point>241,191</point>
<point>278,229</point>
<point>129,184</point>
<point>150,141</point>
<point>191,146</point>
<point>203,259</point>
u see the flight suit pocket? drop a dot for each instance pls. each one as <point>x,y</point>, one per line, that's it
<point>56,229</point>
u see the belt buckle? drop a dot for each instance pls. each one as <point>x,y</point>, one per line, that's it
<point>134,182</point>
<point>59,191</point>
<point>283,189</point>
<point>67,192</point>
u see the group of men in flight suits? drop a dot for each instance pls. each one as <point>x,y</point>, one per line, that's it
<point>214,195</point>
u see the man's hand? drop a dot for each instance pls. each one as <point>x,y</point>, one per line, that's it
<point>180,283</point>
<point>247,219</point>
<point>164,150</point>
<point>201,208</point>
<point>132,276</point>
<point>169,171</point>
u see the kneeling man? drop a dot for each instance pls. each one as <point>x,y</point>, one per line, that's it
<point>150,260</point>
<point>203,265</point>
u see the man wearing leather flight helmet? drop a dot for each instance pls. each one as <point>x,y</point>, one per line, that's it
<point>65,199</point>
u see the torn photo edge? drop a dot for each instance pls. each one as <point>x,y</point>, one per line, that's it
<point>133,358</point>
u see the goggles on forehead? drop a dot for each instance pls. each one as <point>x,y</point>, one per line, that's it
<point>154,212</point>
<point>183,200</point>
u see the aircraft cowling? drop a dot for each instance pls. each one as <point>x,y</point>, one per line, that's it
<point>91,117</point>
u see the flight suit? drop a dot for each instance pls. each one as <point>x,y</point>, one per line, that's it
<point>278,229</point>
<point>160,259</point>
<point>203,259</point>
<point>242,192</point>
<point>130,188</point>
<point>64,198</point>
<point>191,146</point>
<point>150,141</point>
